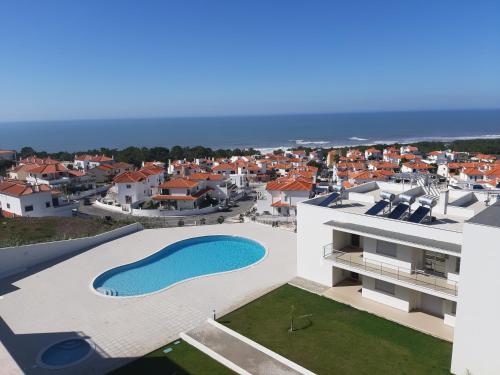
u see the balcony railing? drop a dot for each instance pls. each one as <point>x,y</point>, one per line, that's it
<point>412,276</point>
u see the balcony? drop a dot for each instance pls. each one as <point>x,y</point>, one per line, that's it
<point>353,257</point>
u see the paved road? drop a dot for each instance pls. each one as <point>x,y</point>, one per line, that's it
<point>242,207</point>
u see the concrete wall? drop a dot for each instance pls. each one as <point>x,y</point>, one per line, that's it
<point>19,258</point>
<point>405,255</point>
<point>477,330</point>
<point>169,213</point>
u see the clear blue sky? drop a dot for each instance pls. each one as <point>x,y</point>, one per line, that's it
<point>64,59</point>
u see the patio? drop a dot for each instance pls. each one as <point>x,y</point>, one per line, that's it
<point>56,301</point>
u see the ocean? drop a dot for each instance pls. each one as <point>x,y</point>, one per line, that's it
<point>262,132</point>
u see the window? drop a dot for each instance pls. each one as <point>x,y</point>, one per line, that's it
<point>454,308</point>
<point>385,287</point>
<point>387,248</point>
<point>47,204</point>
<point>28,208</point>
<point>129,186</point>
<point>457,265</point>
<point>355,240</point>
<point>8,205</point>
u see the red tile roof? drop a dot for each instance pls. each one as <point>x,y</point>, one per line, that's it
<point>178,183</point>
<point>288,184</point>
<point>17,189</point>
<point>205,176</point>
<point>131,176</point>
<point>280,204</point>
<point>48,168</point>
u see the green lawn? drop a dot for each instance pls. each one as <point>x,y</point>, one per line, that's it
<point>183,359</point>
<point>337,339</point>
<point>24,230</point>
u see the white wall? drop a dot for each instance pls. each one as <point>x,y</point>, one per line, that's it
<point>477,329</point>
<point>405,255</point>
<point>19,258</point>
<point>401,300</point>
<point>38,201</point>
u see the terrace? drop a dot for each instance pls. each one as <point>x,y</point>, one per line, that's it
<point>353,258</point>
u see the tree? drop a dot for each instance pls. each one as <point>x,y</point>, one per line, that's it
<point>26,152</point>
<point>176,153</point>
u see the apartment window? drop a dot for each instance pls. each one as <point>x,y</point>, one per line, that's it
<point>8,205</point>
<point>387,248</point>
<point>457,265</point>
<point>47,204</point>
<point>454,308</point>
<point>355,240</point>
<point>129,186</point>
<point>385,287</point>
<point>28,208</point>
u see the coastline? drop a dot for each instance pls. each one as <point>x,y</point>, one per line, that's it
<point>326,144</point>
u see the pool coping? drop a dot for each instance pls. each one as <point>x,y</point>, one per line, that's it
<point>94,290</point>
<point>91,351</point>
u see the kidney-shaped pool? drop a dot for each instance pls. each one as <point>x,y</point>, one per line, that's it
<point>180,261</point>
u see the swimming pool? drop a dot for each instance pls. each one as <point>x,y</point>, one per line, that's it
<point>65,353</point>
<point>180,261</point>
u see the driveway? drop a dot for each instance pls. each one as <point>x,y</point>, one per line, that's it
<point>57,302</point>
<point>234,212</point>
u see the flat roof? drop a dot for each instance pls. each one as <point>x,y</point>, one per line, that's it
<point>406,239</point>
<point>490,216</point>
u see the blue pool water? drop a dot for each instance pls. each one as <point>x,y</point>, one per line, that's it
<point>65,353</point>
<point>180,261</point>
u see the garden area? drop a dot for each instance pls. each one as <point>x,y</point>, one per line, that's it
<point>333,338</point>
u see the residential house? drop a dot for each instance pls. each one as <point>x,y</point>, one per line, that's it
<point>18,198</point>
<point>182,193</point>
<point>285,193</point>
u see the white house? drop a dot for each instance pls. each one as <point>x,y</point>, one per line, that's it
<point>134,187</point>
<point>373,153</point>
<point>21,199</point>
<point>285,193</point>
<point>85,162</point>
<point>183,194</point>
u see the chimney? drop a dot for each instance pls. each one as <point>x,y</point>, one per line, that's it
<point>442,205</point>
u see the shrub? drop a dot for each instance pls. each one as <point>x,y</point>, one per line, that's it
<point>220,219</point>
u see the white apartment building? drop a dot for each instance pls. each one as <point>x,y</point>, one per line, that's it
<point>405,248</point>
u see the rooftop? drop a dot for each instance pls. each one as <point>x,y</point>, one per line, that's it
<point>462,206</point>
<point>489,216</point>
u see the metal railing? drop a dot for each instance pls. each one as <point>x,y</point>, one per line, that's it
<point>412,276</point>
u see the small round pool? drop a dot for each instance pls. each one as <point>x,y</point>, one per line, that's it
<point>65,353</point>
<point>180,261</point>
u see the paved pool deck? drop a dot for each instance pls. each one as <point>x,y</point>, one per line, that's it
<point>40,308</point>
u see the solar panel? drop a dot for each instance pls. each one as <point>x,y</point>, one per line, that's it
<point>377,208</point>
<point>419,214</point>
<point>398,211</point>
<point>329,199</point>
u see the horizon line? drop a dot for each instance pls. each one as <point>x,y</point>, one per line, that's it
<point>247,115</point>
